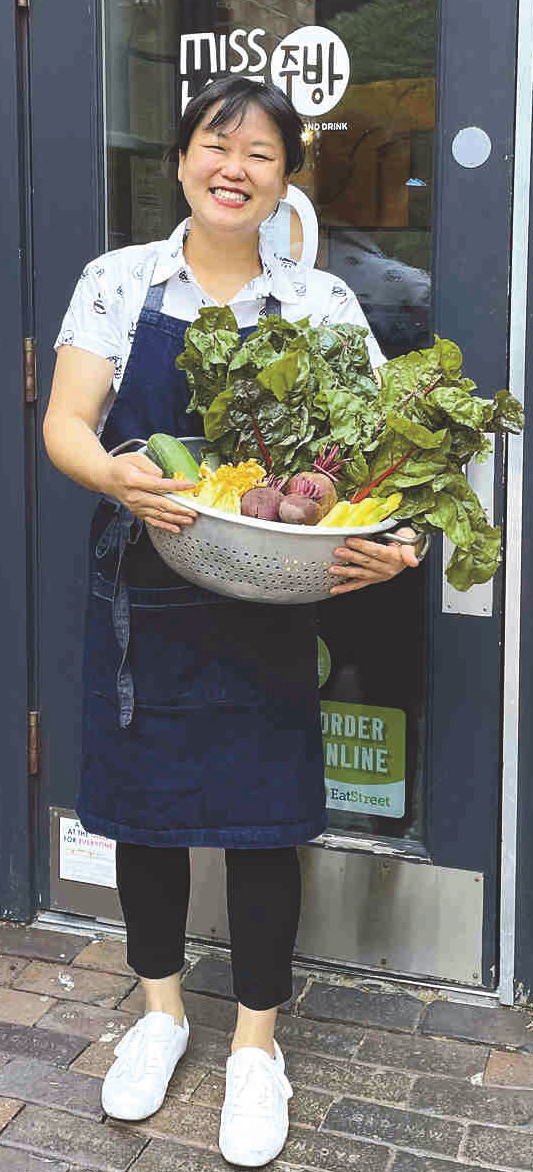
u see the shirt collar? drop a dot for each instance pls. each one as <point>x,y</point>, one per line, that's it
<point>281,277</point>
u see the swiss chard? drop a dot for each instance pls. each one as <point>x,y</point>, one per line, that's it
<point>290,389</point>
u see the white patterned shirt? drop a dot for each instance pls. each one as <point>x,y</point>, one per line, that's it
<point>108,298</point>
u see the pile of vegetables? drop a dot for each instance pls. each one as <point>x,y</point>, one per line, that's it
<point>309,498</point>
<point>291,390</point>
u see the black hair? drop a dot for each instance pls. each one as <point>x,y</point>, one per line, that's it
<point>236,94</point>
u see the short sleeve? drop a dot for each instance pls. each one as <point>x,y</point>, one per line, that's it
<point>345,308</point>
<point>93,318</point>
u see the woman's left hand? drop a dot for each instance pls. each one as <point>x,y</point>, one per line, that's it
<point>364,562</point>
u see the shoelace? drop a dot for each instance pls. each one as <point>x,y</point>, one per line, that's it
<point>252,1091</point>
<point>140,1042</point>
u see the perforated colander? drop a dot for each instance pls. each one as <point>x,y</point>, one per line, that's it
<point>257,561</point>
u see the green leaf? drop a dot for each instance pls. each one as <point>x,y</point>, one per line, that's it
<point>416,433</point>
<point>468,410</point>
<point>509,413</point>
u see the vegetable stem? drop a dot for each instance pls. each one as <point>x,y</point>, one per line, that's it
<point>261,442</point>
<point>363,492</point>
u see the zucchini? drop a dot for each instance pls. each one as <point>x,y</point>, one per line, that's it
<point>172,457</point>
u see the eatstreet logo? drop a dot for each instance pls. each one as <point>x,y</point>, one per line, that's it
<point>310,65</point>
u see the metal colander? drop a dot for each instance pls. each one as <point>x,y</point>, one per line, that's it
<point>257,561</point>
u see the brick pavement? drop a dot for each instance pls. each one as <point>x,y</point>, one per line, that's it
<point>385,1080</point>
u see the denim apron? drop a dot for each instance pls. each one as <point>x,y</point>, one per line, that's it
<point>200,714</point>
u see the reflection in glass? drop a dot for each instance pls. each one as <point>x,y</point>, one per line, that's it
<point>369,176</point>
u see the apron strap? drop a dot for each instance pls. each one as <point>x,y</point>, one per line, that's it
<point>272,305</point>
<point>123,529</point>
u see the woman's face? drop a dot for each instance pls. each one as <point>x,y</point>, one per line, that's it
<point>233,176</point>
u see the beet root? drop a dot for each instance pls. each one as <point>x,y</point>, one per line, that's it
<point>262,503</point>
<point>316,486</point>
<point>297,509</point>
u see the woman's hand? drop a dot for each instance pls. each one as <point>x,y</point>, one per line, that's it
<point>364,562</point>
<point>139,484</point>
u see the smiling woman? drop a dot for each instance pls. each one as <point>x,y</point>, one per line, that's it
<point>166,661</point>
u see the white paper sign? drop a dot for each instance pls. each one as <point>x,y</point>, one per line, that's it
<point>85,857</point>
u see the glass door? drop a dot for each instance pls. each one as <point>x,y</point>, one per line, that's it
<point>410,681</point>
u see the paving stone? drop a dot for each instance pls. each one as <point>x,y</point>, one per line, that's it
<point>309,1108</point>
<point>22,1008</point>
<point>49,1086</point>
<point>96,1059</point>
<point>160,1156</point>
<point>208,1047</point>
<point>333,1154</point>
<point>135,1002</point>
<point>406,1162</point>
<point>474,1023</point>
<point>186,1078</point>
<point>188,1122</point>
<point>107,955</point>
<point>21,1041</point>
<point>20,940</point>
<point>99,1146</point>
<point>509,1070</point>
<point>394,1126</point>
<point>8,1109</point>
<point>13,1160</point>
<point>366,1082</point>
<point>212,974</point>
<point>426,1055</point>
<point>87,1021</point>
<point>209,1011</point>
<point>10,967</point>
<point>340,1041</point>
<point>396,1011</point>
<point>73,984</point>
<point>211,1090</point>
<point>498,1145</point>
<point>449,1096</point>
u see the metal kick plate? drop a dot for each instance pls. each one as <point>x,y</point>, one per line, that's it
<point>477,600</point>
<point>359,910</point>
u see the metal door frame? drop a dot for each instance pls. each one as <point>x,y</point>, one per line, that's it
<point>17,880</point>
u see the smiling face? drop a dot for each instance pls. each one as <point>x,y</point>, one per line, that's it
<point>234,175</point>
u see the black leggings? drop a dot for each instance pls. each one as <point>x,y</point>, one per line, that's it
<point>263,888</point>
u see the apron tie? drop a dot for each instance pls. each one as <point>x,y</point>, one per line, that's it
<point>122,530</point>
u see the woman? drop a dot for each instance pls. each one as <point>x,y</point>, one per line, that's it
<point>201,718</point>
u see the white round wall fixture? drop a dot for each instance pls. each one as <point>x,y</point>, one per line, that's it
<point>471,147</point>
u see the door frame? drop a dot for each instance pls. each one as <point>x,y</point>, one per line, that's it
<point>17,879</point>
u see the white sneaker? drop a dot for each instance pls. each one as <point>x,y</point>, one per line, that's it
<point>255,1116</point>
<point>136,1084</point>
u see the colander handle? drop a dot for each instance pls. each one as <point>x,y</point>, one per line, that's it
<point>122,447</point>
<point>420,544</point>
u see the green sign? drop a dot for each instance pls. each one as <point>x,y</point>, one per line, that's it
<point>364,758</point>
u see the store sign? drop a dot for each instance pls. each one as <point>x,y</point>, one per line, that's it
<point>85,857</point>
<point>311,65</point>
<point>364,758</point>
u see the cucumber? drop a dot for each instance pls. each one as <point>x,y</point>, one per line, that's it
<point>172,457</point>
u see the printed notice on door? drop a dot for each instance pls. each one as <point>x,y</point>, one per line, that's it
<point>364,758</point>
<point>84,857</point>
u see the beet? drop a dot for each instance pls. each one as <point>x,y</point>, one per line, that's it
<point>316,487</point>
<point>319,484</point>
<point>297,508</point>
<point>262,502</point>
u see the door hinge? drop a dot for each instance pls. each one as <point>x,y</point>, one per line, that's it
<point>34,742</point>
<point>30,370</point>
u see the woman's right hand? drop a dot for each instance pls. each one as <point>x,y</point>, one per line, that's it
<point>134,480</point>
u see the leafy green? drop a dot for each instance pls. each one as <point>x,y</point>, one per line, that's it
<point>290,390</point>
